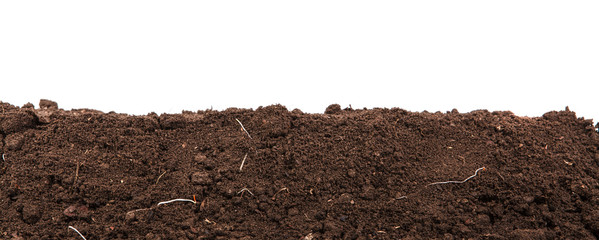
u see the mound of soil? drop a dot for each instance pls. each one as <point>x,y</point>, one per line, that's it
<point>271,173</point>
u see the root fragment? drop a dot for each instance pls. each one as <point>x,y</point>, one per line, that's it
<point>280,190</point>
<point>243,128</point>
<point>245,190</point>
<point>243,162</point>
<point>177,200</point>
<point>460,182</point>
<point>160,177</point>
<point>77,231</point>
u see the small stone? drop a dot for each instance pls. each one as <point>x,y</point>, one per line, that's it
<point>201,178</point>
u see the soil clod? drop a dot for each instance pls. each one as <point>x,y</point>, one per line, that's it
<point>76,211</point>
<point>201,178</point>
<point>48,104</point>
<point>333,109</point>
<point>31,214</point>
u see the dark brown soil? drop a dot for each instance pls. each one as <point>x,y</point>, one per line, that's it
<point>346,174</point>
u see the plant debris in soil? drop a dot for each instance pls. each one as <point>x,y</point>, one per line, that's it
<point>344,174</point>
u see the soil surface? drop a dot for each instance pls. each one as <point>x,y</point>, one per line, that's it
<point>344,174</point>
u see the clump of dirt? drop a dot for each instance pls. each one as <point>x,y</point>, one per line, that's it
<point>345,174</point>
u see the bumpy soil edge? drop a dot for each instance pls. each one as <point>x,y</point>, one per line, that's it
<point>345,174</point>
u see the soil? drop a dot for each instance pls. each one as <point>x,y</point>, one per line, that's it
<point>344,174</point>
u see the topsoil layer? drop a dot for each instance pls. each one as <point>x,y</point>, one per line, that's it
<point>345,174</point>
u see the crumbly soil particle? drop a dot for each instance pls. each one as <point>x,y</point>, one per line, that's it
<point>347,174</point>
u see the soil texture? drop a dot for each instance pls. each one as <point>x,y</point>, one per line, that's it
<point>271,173</point>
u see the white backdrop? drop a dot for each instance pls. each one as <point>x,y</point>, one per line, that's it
<point>136,57</point>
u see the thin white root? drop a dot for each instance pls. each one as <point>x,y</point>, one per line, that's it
<point>245,190</point>
<point>402,197</point>
<point>137,210</point>
<point>242,127</point>
<point>475,173</point>
<point>177,200</point>
<point>243,162</point>
<point>74,229</point>
<point>4,160</point>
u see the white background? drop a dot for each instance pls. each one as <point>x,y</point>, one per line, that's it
<point>136,57</point>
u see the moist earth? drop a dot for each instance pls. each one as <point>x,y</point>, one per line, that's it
<point>271,173</point>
